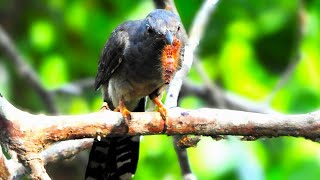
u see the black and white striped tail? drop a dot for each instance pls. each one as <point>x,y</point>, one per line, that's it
<point>114,158</point>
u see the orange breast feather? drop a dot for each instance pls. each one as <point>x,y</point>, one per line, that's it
<point>170,58</point>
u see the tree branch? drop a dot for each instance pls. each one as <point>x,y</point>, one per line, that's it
<point>28,135</point>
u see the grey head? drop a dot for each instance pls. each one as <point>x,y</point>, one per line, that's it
<point>162,25</point>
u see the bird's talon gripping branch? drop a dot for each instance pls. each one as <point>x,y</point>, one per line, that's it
<point>161,109</point>
<point>126,114</point>
<point>123,110</point>
<point>163,112</point>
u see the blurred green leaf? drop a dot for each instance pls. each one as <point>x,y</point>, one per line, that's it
<point>76,16</point>
<point>53,71</point>
<point>159,151</point>
<point>79,106</point>
<point>242,29</point>
<point>42,35</point>
<point>211,159</point>
<point>238,67</point>
<point>308,71</point>
<point>191,102</point>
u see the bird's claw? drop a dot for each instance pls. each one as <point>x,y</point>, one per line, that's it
<point>104,106</point>
<point>124,111</point>
<point>163,112</point>
<point>161,109</point>
<point>126,114</point>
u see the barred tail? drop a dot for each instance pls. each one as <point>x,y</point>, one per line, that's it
<point>114,157</point>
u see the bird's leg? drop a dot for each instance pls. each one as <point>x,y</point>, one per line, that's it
<point>123,110</point>
<point>161,109</point>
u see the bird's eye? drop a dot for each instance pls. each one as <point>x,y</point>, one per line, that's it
<point>178,28</point>
<point>149,29</point>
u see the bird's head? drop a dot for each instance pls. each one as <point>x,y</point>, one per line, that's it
<point>162,25</point>
<point>162,29</point>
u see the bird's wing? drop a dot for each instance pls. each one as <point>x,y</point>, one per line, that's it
<point>112,56</point>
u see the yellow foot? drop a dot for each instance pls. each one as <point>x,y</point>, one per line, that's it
<point>161,109</point>
<point>163,112</point>
<point>123,110</point>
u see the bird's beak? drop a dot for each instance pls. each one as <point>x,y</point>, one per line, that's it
<point>169,38</point>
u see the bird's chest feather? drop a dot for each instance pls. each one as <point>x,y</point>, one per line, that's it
<point>149,69</point>
<point>154,63</point>
<point>170,58</point>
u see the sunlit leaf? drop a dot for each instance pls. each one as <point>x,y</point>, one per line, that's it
<point>97,102</point>
<point>308,71</point>
<point>53,71</point>
<point>42,35</point>
<point>79,106</point>
<point>56,4</point>
<point>242,29</point>
<point>240,71</point>
<point>211,159</point>
<point>159,151</point>
<point>76,16</point>
<point>191,102</point>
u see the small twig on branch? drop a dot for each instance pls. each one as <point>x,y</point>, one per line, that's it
<point>196,34</point>
<point>26,71</point>
<point>65,149</point>
<point>61,150</point>
<point>37,169</point>
<point>75,88</point>
<point>233,101</point>
<point>214,93</point>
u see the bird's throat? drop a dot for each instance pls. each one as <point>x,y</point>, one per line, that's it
<point>170,58</point>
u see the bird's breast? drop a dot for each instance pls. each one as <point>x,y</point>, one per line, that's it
<point>170,60</point>
<point>149,68</point>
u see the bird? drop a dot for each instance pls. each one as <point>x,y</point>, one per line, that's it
<point>137,63</point>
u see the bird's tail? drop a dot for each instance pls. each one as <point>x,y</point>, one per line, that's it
<point>114,157</point>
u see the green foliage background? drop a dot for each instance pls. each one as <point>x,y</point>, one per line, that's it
<point>246,48</point>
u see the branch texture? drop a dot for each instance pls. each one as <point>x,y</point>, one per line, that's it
<point>29,135</point>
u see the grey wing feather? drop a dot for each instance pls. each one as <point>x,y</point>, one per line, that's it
<point>112,56</point>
